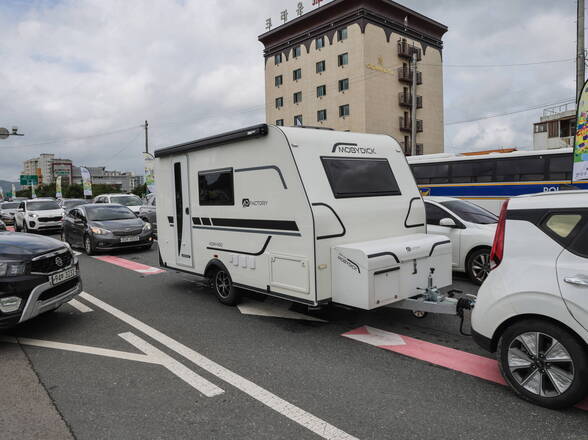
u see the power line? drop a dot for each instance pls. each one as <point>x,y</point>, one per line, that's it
<point>509,113</point>
<point>567,60</point>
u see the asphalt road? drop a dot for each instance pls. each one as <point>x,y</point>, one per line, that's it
<point>248,363</point>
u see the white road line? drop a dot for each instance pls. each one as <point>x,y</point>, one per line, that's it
<point>194,380</point>
<point>79,306</point>
<point>82,349</point>
<point>298,415</point>
<point>76,253</point>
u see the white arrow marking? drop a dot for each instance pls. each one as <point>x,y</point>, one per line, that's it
<point>377,337</point>
<point>273,308</point>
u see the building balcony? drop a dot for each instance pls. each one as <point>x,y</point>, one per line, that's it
<point>405,75</point>
<point>405,51</point>
<point>405,124</point>
<point>405,100</point>
<point>407,149</point>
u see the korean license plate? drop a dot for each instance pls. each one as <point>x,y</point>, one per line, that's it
<point>129,238</point>
<point>62,276</point>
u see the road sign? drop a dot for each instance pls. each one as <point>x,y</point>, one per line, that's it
<point>4,133</point>
<point>29,179</point>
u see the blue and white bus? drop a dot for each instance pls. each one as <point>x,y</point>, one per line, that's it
<point>488,179</point>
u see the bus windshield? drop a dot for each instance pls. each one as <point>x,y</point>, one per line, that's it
<point>470,212</point>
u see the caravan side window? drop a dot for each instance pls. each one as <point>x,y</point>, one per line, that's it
<point>215,187</point>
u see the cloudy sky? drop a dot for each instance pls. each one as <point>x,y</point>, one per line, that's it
<point>79,77</point>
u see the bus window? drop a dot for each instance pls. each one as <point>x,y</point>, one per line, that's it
<point>420,174</point>
<point>461,172</point>
<point>559,167</point>
<point>439,173</point>
<point>523,169</point>
<point>483,170</point>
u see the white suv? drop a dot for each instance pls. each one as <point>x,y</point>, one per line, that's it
<point>131,201</point>
<point>533,307</point>
<point>37,215</point>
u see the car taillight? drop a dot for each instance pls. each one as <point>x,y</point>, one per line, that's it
<point>498,246</point>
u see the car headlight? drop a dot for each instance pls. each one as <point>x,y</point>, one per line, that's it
<point>147,227</point>
<point>31,215</point>
<point>12,268</point>
<point>99,231</point>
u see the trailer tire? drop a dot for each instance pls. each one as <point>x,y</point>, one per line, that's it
<point>224,290</point>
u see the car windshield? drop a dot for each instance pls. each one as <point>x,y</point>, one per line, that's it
<point>470,212</point>
<point>103,213</point>
<point>9,205</point>
<point>44,205</point>
<point>127,200</point>
<point>71,203</point>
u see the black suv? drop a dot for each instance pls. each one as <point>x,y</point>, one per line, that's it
<point>37,275</point>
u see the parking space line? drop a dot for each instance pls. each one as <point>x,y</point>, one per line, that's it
<point>81,307</point>
<point>82,349</point>
<point>194,380</point>
<point>131,265</point>
<point>292,412</point>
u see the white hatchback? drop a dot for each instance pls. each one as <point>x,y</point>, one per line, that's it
<point>471,230</point>
<point>131,201</point>
<point>533,307</point>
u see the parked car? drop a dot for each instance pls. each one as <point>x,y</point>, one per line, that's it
<point>7,212</point>
<point>131,201</point>
<point>37,275</point>
<point>2,226</point>
<point>38,215</point>
<point>97,227</point>
<point>471,230</point>
<point>147,212</point>
<point>532,310</point>
<point>67,204</point>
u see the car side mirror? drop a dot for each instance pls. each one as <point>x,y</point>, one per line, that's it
<point>20,210</point>
<point>447,222</point>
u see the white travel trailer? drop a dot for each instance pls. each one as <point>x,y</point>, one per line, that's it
<point>309,215</point>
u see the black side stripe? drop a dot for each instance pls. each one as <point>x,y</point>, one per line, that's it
<point>381,254</point>
<point>205,221</point>
<point>279,225</point>
<point>196,220</point>
<point>170,220</point>
<point>266,167</point>
<point>392,269</point>
<point>406,225</point>
<point>255,254</point>
<point>439,243</point>
<point>344,231</point>
<point>342,143</point>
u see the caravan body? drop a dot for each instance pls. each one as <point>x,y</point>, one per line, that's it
<point>310,215</point>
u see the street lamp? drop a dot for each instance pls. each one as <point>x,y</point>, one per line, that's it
<point>4,133</point>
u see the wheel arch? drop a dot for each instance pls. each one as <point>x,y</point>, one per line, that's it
<point>214,264</point>
<point>471,251</point>
<point>519,318</point>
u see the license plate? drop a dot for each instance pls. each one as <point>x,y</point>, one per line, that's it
<point>65,275</point>
<point>129,239</point>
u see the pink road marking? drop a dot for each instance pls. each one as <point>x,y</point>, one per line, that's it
<point>457,360</point>
<point>131,265</point>
<point>10,228</point>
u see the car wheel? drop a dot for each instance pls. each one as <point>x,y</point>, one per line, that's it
<point>224,290</point>
<point>88,246</point>
<point>544,363</point>
<point>478,265</point>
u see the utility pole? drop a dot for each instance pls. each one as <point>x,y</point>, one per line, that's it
<point>580,55</point>
<point>146,137</point>
<point>413,105</point>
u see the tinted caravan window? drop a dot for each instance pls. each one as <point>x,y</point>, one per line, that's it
<point>360,177</point>
<point>216,187</point>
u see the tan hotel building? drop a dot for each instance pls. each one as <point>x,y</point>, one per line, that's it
<point>346,65</point>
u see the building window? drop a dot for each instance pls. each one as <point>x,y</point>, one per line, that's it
<point>321,91</point>
<point>320,42</point>
<point>297,97</point>
<point>343,59</point>
<point>278,59</point>
<point>342,34</point>
<point>280,122</point>
<point>297,51</point>
<point>298,120</point>
<point>552,129</point>
<point>278,80</point>
<point>321,115</point>
<point>279,102</point>
<point>541,128</point>
<point>343,84</point>
<point>321,66</point>
<point>297,74</point>
<point>343,110</point>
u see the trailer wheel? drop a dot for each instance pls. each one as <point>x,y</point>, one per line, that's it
<point>224,290</point>
<point>419,314</point>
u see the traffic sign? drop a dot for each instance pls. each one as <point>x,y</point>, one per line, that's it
<point>30,179</point>
<point>4,133</point>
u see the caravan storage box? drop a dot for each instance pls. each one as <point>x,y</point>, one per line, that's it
<point>374,273</point>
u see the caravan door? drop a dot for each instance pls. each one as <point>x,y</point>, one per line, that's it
<point>182,226</point>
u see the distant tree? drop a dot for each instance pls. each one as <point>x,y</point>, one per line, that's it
<point>140,191</point>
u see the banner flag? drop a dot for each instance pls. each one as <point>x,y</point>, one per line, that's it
<point>86,181</point>
<point>580,171</point>
<point>1,193</point>
<point>13,191</point>
<point>33,194</point>
<point>58,188</point>
<point>149,173</point>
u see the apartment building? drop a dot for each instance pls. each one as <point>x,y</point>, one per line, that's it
<point>47,167</point>
<point>346,66</point>
<point>124,180</point>
<point>556,128</point>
